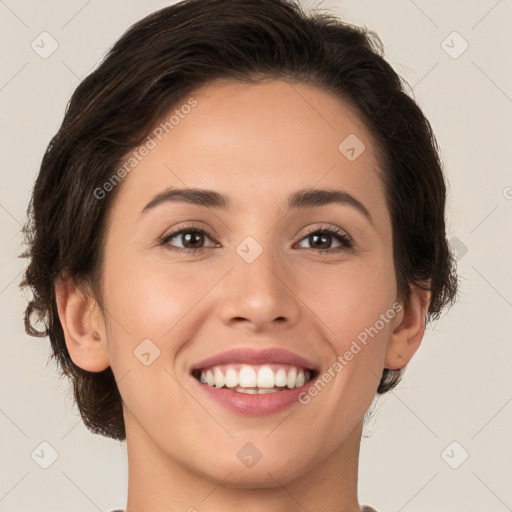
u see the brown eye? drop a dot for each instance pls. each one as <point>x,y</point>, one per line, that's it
<point>189,239</point>
<point>323,239</point>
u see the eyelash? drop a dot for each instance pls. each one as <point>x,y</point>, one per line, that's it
<point>344,239</point>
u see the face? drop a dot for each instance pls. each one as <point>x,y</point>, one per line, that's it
<point>183,282</point>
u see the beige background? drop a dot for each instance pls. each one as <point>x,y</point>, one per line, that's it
<point>458,387</point>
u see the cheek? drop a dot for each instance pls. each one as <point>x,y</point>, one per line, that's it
<point>351,298</point>
<point>154,301</point>
<point>354,304</point>
<point>149,312</point>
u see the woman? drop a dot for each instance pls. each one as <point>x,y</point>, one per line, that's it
<point>237,239</point>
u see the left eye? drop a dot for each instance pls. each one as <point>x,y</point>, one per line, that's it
<point>322,237</point>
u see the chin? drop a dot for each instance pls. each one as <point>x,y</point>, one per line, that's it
<point>267,472</point>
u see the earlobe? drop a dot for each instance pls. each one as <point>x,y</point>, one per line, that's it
<point>80,319</point>
<point>408,334</point>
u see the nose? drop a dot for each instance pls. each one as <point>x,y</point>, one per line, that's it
<point>259,295</point>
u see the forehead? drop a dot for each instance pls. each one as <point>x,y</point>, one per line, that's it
<point>261,141</point>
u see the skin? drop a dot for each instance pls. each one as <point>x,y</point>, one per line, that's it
<point>256,144</point>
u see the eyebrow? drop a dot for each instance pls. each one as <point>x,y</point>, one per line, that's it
<point>306,198</point>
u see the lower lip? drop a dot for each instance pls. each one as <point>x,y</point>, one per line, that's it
<point>256,405</point>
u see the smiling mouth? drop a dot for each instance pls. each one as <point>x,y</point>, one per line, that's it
<point>255,379</point>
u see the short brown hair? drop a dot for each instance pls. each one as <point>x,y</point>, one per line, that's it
<point>165,57</point>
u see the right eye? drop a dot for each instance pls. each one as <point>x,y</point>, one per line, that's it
<point>192,237</point>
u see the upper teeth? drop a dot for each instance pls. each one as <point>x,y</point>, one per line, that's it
<point>254,376</point>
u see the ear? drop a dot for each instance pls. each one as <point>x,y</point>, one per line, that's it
<point>83,325</point>
<point>408,334</point>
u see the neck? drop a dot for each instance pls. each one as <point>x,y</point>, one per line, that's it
<point>158,482</point>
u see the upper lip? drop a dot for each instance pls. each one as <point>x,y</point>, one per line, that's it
<point>246,355</point>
